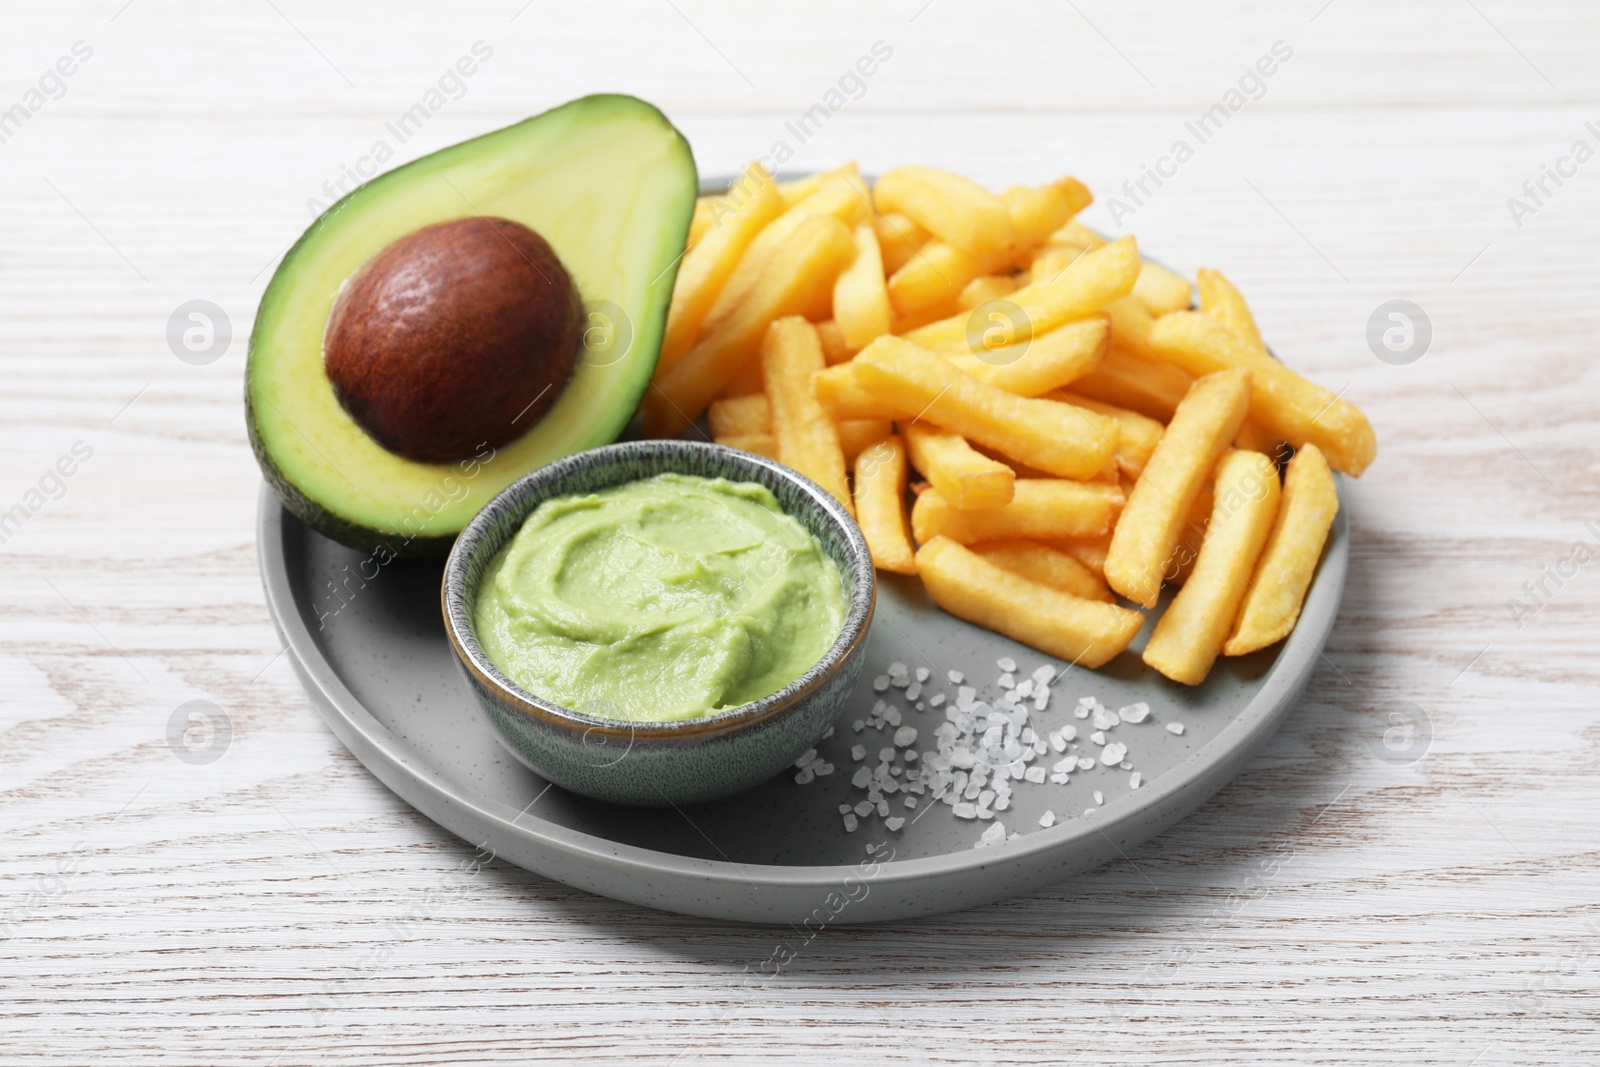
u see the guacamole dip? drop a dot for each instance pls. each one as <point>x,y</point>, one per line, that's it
<point>666,598</point>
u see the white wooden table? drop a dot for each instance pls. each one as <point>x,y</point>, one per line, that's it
<point>1430,896</point>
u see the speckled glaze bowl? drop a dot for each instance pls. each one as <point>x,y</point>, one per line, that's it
<point>654,764</point>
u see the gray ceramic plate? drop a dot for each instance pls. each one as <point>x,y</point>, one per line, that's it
<point>382,674</point>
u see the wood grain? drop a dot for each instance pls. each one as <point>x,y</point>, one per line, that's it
<point>279,906</point>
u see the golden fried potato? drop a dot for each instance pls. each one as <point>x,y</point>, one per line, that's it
<point>740,415</point>
<point>808,441</point>
<point>881,505</point>
<point>860,297</point>
<point>1040,509</point>
<point>966,478</point>
<point>957,210</point>
<point>762,444</point>
<point>1039,562</point>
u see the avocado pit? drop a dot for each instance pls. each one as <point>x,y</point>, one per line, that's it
<point>454,337</point>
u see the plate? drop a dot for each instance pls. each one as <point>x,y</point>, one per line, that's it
<point>369,645</point>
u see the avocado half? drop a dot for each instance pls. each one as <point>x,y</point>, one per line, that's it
<point>608,182</point>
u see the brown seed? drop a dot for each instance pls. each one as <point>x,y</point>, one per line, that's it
<point>457,336</point>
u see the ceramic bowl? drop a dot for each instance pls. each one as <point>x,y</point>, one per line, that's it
<point>660,763</point>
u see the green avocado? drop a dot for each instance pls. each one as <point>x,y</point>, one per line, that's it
<point>608,182</point>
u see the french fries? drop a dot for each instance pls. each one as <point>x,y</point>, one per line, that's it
<point>1200,431</point>
<point>1036,366</point>
<point>1078,424</point>
<point>959,211</point>
<point>963,476</point>
<point>940,270</point>
<point>1040,509</point>
<point>1277,589</point>
<point>749,205</point>
<point>860,296</point>
<point>1039,562</point>
<point>1160,290</point>
<point>1094,280</point>
<point>1153,389</point>
<point>1137,436</point>
<point>1281,401</point>
<point>808,262</point>
<point>858,435</point>
<point>898,239</point>
<point>1054,437</point>
<point>1088,633</point>
<point>1221,301</point>
<point>881,505</point>
<point>1192,630</point>
<point>740,415</point>
<point>807,439</point>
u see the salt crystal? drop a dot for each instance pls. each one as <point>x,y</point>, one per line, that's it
<point>1057,742</point>
<point>922,674</point>
<point>885,755</point>
<point>850,824</point>
<point>822,770</point>
<point>1104,719</point>
<point>966,696</point>
<point>1044,675</point>
<point>862,776</point>
<point>898,669</point>
<point>1134,779</point>
<point>1007,681</point>
<point>1025,690</point>
<point>1099,797</point>
<point>963,757</point>
<point>935,700</point>
<point>914,691</point>
<point>828,734</point>
<point>911,802</point>
<point>1034,774</point>
<point>858,753</point>
<point>883,808</point>
<point>1069,732</point>
<point>1098,737</point>
<point>966,811</point>
<point>810,754</point>
<point>1113,754</point>
<point>1059,779</point>
<point>1064,766</point>
<point>1048,819</point>
<point>911,756</point>
<point>858,726</point>
<point>880,683</point>
<point>894,824</point>
<point>1080,712</point>
<point>994,834</point>
<point>956,677</point>
<point>1134,712</point>
<point>1175,728</point>
<point>1085,763</point>
<point>906,735</point>
<point>864,808</point>
<point>892,716</point>
<point>804,777</point>
<point>1006,663</point>
<point>1002,803</point>
<point>1125,765</point>
<point>844,809</point>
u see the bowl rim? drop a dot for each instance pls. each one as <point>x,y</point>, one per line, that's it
<point>534,488</point>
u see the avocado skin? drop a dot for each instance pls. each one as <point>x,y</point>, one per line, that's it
<point>395,544</point>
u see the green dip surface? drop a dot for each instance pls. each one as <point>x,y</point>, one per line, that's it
<point>667,598</point>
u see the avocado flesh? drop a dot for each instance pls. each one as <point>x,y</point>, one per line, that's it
<point>606,180</point>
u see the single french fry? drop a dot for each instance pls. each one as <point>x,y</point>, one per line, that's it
<point>958,210</point>
<point>1088,633</point>
<point>940,270</point>
<point>1039,562</point>
<point>858,435</point>
<point>1190,538</point>
<point>834,350</point>
<point>1137,435</point>
<point>899,238</point>
<point>881,505</point>
<point>1055,437</point>
<point>860,298</point>
<point>740,415</point>
<point>1094,280</point>
<point>1162,291</point>
<point>1281,401</point>
<point>916,320</point>
<point>808,262</point>
<point>808,441</point>
<point>1130,327</point>
<point>1076,234</point>
<point>1223,302</point>
<point>1040,509</point>
<point>964,477</point>
<point>838,391</point>
<point>1282,575</point>
<point>749,205</point>
<point>797,190</point>
<point>1185,457</point>
<point>1041,364</point>
<point>1089,551</point>
<point>762,444</point>
<point>1191,632</point>
<point>985,288</point>
<point>1051,260</point>
<point>1153,389</point>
